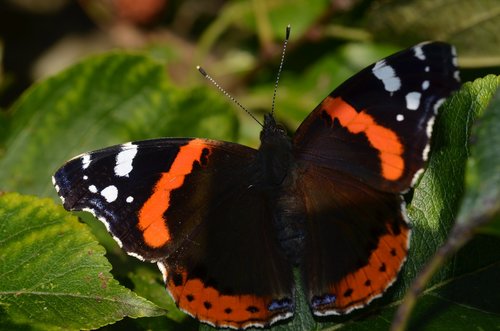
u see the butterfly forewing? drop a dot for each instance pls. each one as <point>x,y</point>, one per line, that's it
<point>171,201</point>
<point>377,125</point>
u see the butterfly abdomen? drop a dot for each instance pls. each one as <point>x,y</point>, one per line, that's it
<point>289,221</point>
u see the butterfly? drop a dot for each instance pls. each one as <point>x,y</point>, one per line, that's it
<point>227,224</point>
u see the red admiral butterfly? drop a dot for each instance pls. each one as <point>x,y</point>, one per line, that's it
<point>227,223</point>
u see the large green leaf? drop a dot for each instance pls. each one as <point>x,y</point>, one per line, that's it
<point>468,302</point>
<point>105,100</point>
<point>54,274</point>
<point>436,200</point>
<point>479,205</point>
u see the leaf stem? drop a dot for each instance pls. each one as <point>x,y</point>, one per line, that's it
<point>459,235</point>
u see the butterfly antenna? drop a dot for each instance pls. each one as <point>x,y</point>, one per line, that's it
<point>207,76</point>
<point>285,43</point>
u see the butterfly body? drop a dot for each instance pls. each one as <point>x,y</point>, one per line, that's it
<point>227,224</point>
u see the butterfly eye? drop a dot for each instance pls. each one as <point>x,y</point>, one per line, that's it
<point>281,129</point>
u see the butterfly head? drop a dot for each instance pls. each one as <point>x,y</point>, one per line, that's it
<point>274,152</point>
<point>272,130</point>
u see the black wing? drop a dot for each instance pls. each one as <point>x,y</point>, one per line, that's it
<point>377,125</point>
<point>362,146</point>
<point>190,206</point>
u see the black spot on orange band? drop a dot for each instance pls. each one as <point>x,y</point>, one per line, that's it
<point>372,279</point>
<point>208,304</point>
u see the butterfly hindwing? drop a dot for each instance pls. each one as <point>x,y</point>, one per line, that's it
<point>356,241</point>
<point>170,201</point>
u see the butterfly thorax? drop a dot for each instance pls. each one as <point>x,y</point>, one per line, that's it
<point>276,163</point>
<point>275,153</point>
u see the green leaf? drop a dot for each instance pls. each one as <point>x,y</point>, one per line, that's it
<point>482,199</point>
<point>436,199</point>
<point>54,275</point>
<point>104,100</point>
<point>472,26</point>
<point>460,303</point>
<point>466,300</point>
<point>469,302</point>
<point>149,283</point>
<point>450,168</point>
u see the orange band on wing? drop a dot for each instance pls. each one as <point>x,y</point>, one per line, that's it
<point>209,305</point>
<point>383,139</point>
<point>151,216</point>
<point>360,287</point>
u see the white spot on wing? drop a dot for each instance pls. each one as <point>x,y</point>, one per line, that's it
<point>425,85</point>
<point>136,256</point>
<point>118,241</point>
<point>55,185</point>
<point>404,213</point>
<point>86,161</point>
<point>400,117</point>
<point>416,177</point>
<point>454,54</point>
<point>438,104</point>
<point>124,160</point>
<point>419,53</point>
<point>430,125</point>
<point>110,193</point>
<point>425,153</point>
<point>456,75</point>
<point>85,177</point>
<point>93,189</point>
<point>427,69</point>
<point>129,199</point>
<point>105,222</point>
<point>276,318</point>
<point>332,312</point>
<point>163,270</point>
<point>413,100</point>
<point>387,75</point>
